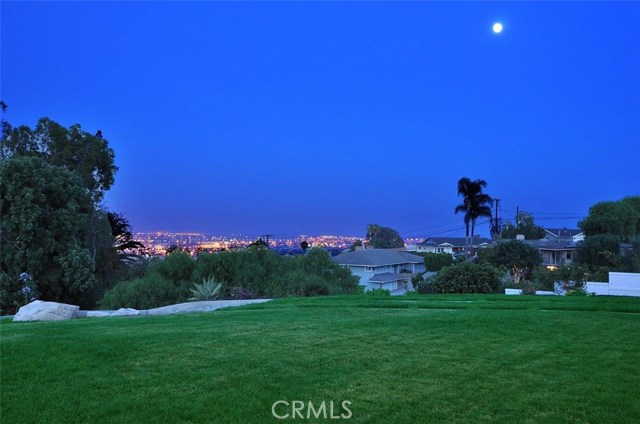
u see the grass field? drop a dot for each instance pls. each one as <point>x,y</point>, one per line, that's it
<point>427,359</point>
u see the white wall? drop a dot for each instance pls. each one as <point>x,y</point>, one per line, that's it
<point>620,284</point>
<point>597,288</point>
<point>516,292</point>
<point>624,284</point>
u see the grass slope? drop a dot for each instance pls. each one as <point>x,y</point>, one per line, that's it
<point>428,359</point>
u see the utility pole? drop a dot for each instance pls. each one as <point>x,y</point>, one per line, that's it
<point>517,215</point>
<point>267,238</point>
<point>496,228</point>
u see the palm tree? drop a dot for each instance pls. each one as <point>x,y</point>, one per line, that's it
<point>474,205</point>
<point>121,232</point>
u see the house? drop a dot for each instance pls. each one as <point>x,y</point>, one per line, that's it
<point>555,253</point>
<point>555,234</point>
<point>451,245</point>
<point>382,268</point>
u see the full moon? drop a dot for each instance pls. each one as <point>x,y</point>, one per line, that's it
<point>497,27</point>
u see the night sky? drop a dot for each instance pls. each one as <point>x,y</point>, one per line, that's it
<point>314,118</point>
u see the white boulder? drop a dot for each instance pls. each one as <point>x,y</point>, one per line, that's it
<point>125,312</point>
<point>39,310</point>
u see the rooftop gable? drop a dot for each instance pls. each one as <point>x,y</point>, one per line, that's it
<point>377,257</point>
<point>453,241</point>
<point>563,232</point>
<point>387,277</point>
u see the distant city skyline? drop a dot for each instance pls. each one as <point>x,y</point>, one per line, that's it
<point>322,117</point>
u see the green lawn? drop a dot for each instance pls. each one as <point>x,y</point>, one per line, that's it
<point>426,359</point>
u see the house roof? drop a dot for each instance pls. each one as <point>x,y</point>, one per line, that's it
<point>387,277</point>
<point>453,241</point>
<point>551,245</point>
<point>563,232</point>
<point>377,257</point>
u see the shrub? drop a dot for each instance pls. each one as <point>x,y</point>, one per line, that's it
<point>239,292</point>
<point>434,262</point>
<point>315,286</point>
<point>425,287</point>
<point>177,267</point>
<point>528,287</point>
<point>544,278</point>
<point>421,284</point>
<point>149,292</point>
<point>300,283</point>
<point>255,272</point>
<point>467,278</point>
<point>577,291</point>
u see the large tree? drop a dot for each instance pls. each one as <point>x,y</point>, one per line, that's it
<point>519,258</point>
<point>44,233</point>
<point>87,155</point>
<point>607,225</point>
<point>475,204</point>
<point>525,225</point>
<point>383,237</point>
<point>621,218</point>
<point>52,153</point>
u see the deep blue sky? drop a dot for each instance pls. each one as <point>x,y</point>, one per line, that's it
<point>307,118</point>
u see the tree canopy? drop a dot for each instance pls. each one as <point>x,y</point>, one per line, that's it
<point>45,211</point>
<point>517,257</point>
<point>383,237</point>
<point>53,225</point>
<point>88,156</point>
<point>525,225</point>
<point>607,225</point>
<point>620,218</point>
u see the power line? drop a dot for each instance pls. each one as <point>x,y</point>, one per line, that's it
<point>544,213</point>
<point>430,227</point>
<point>451,230</point>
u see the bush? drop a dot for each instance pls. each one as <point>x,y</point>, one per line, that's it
<point>315,286</point>
<point>528,287</point>
<point>300,283</point>
<point>577,291</point>
<point>422,285</point>
<point>544,278</point>
<point>177,268</point>
<point>239,292</point>
<point>254,272</point>
<point>434,262</point>
<point>467,278</point>
<point>425,287</point>
<point>149,292</point>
